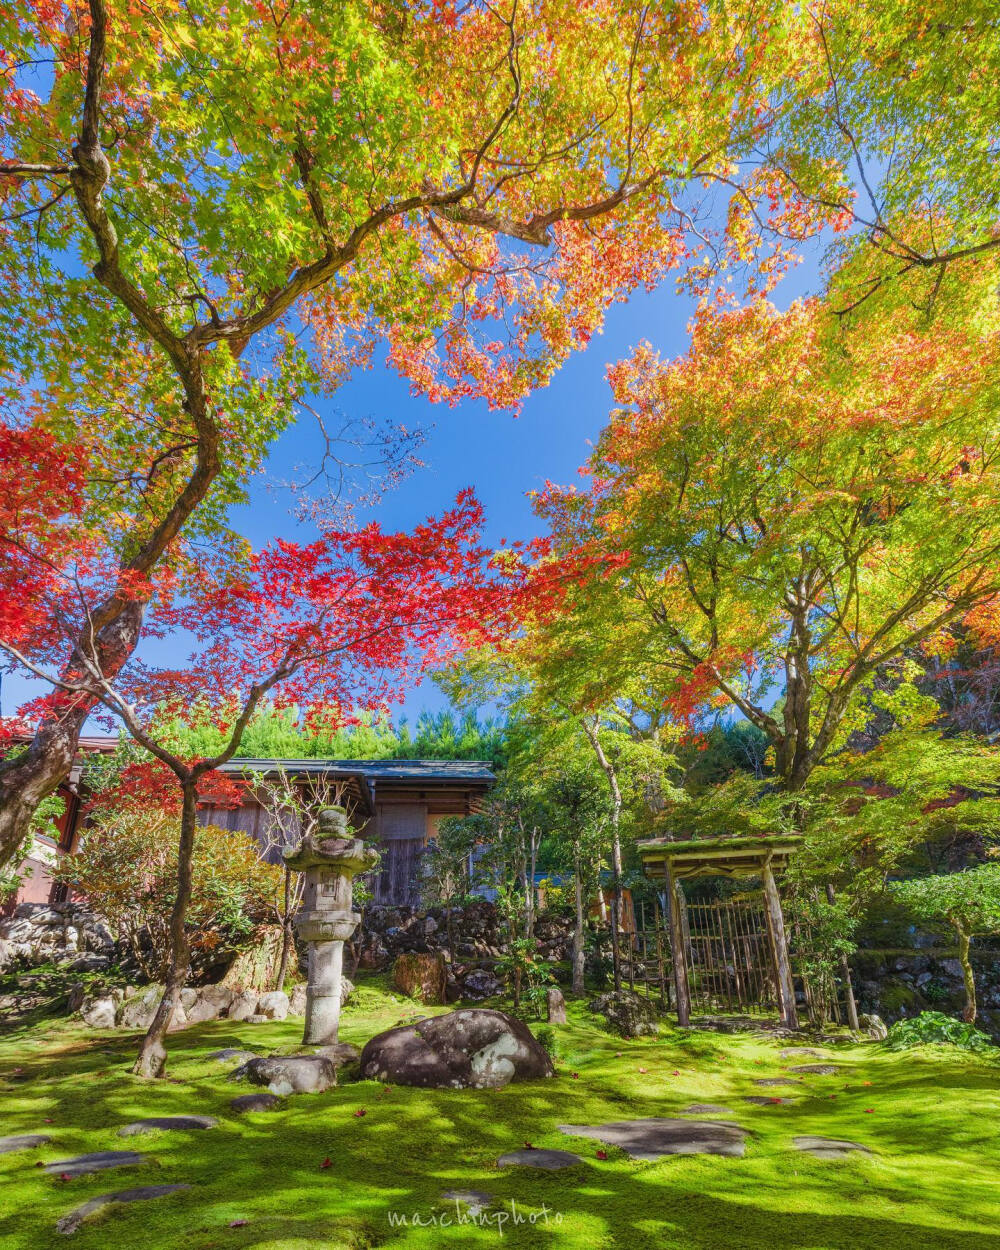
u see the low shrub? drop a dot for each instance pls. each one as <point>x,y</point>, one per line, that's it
<point>932,1027</point>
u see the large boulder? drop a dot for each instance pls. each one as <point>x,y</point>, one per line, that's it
<point>421,976</point>
<point>289,1074</point>
<point>627,1013</point>
<point>472,1047</point>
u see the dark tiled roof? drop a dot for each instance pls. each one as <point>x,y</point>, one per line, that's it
<point>454,771</point>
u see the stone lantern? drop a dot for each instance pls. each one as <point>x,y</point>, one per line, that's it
<point>330,860</point>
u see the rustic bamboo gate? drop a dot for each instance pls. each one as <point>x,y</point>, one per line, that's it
<point>725,956</point>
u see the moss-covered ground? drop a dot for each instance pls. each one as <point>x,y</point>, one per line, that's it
<point>929,1116</point>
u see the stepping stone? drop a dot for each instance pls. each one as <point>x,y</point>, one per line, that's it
<point>817,1069</point>
<point>473,1199</point>
<point>168,1124</point>
<point>97,1162</point>
<point>706,1108</point>
<point>828,1147</point>
<point>549,1160</point>
<point>653,1138</point>
<point>70,1223</point>
<point>792,1052</point>
<point>24,1141</point>
<point>256,1102</point>
<point>771,1081</point>
<point>759,1100</point>
<point>231,1054</point>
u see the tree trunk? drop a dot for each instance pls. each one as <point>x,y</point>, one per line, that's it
<point>578,956</point>
<point>529,919</point>
<point>152,1058</point>
<point>590,729</point>
<point>845,974</point>
<point>286,932</point>
<point>964,938</point>
<point>31,775</point>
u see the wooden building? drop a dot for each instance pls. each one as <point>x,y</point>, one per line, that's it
<point>398,803</point>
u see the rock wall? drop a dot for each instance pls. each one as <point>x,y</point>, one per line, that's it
<point>477,933</point>
<point>59,933</point>
<point>900,983</point>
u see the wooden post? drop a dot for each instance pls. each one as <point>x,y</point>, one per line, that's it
<point>677,951</point>
<point>779,948</point>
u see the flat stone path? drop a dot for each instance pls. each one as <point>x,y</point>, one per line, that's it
<point>549,1160</point>
<point>828,1147</point>
<point>771,1081</point>
<point>655,1137</point>
<point>256,1102</point>
<point>70,1223</point>
<point>22,1141</point>
<point>168,1124</point>
<point>817,1069</point>
<point>81,1165</point>
<point>807,1052</point>
<point>707,1108</point>
<point>762,1100</point>
<point>474,1200</point>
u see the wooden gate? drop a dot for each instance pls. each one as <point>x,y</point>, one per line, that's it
<point>729,959</point>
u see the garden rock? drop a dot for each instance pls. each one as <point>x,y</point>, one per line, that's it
<point>339,1053</point>
<point>289,1074</point>
<point>478,984</point>
<point>231,1055</point>
<point>653,1138</point>
<point>421,976</point>
<point>210,1002</point>
<point>627,1013</point>
<point>70,1223</point>
<point>273,1005</point>
<point>873,1025</point>
<point>243,1006</point>
<point>22,1141</point>
<point>168,1124</point>
<point>816,1069</point>
<point>82,1165</point>
<point>297,1001</point>
<point>548,1160</point>
<point>138,1010</point>
<point>556,1005</point>
<point>101,1012</point>
<point>472,1047</point>
<point>255,1102</point>
<point>828,1147</point>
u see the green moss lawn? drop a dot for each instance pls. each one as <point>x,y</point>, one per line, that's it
<point>929,1116</point>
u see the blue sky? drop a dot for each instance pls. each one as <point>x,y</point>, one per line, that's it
<point>501,456</point>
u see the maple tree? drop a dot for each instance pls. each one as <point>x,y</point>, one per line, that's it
<point>340,624</point>
<point>210,214</point>
<point>784,511</point>
<point>126,870</point>
<point>901,99</point>
<point>968,901</point>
